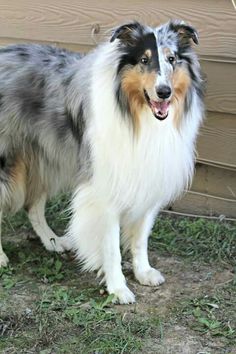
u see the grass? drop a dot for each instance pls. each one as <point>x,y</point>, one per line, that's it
<point>60,317</point>
<point>46,308</point>
<point>211,315</point>
<point>196,239</point>
<point>57,215</point>
<point>91,325</point>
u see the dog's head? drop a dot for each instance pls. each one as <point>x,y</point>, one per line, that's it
<point>156,67</point>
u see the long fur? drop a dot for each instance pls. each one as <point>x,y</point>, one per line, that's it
<point>85,124</point>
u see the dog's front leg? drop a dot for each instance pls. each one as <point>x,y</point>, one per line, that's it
<point>136,237</point>
<point>95,234</point>
<point>113,276</point>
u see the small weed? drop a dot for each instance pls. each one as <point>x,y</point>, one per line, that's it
<point>205,314</point>
<point>8,282</point>
<point>209,315</point>
<point>102,304</point>
<point>49,269</point>
<point>6,271</point>
<point>7,278</point>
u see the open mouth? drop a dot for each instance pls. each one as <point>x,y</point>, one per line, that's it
<point>160,109</point>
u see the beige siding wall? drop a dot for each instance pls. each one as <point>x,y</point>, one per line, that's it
<point>70,23</point>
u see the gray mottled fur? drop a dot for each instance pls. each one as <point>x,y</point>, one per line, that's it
<point>36,119</point>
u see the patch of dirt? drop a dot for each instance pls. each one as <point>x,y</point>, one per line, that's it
<point>182,280</point>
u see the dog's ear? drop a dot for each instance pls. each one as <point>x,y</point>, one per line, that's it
<point>127,33</point>
<point>184,31</point>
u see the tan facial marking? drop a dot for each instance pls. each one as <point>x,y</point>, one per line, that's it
<point>149,80</point>
<point>133,84</point>
<point>181,83</point>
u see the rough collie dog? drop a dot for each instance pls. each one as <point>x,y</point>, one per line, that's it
<point>116,126</point>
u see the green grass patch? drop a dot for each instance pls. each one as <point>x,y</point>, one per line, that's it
<point>38,263</point>
<point>196,239</point>
<point>101,328</point>
<point>65,320</point>
<point>7,277</point>
<point>57,214</point>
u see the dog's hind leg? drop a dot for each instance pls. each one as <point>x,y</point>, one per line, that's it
<point>12,189</point>
<point>52,242</point>
<point>3,257</point>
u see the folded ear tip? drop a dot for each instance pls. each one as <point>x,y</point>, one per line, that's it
<point>117,32</point>
<point>183,28</point>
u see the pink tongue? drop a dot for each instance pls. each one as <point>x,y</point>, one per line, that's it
<point>164,106</point>
<point>160,107</point>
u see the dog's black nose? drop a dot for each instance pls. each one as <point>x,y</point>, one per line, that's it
<point>163,91</point>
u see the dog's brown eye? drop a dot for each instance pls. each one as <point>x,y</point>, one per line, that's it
<point>144,60</point>
<point>171,59</point>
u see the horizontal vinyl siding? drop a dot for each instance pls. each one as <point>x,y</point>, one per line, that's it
<point>71,21</point>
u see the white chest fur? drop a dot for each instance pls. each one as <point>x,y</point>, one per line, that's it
<point>135,173</point>
<point>140,172</point>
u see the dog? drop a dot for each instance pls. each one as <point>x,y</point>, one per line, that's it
<point>117,127</point>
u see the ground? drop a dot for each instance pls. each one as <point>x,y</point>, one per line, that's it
<point>47,305</point>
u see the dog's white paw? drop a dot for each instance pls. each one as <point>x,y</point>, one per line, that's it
<point>3,259</point>
<point>123,295</point>
<point>151,277</point>
<point>57,244</point>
